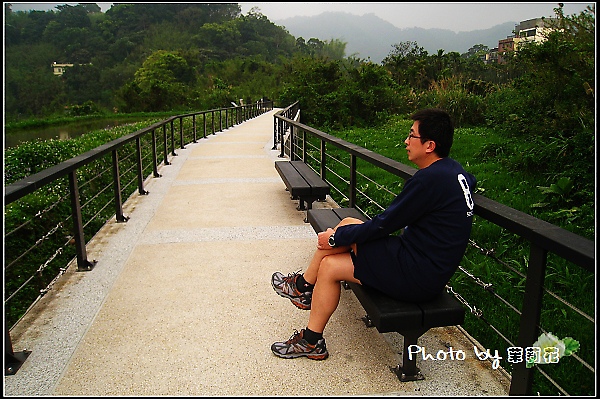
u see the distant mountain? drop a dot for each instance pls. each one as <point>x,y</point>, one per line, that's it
<point>370,36</point>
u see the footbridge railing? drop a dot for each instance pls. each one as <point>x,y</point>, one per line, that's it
<point>337,161</point>
<point>49,214</point>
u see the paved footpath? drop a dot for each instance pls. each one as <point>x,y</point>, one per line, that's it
<point>180,301</point>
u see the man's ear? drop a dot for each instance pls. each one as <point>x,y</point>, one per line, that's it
<point>430,146</point>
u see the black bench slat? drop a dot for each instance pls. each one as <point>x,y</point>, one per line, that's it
<point>318,186</point>
<point>442,311</point>
<point>349,213</point>
<point>302,182</point>
<point>321,219</point>
<point>292,179</point>
<point>387,314</point>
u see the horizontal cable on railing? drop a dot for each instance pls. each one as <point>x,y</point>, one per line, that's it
<point>561,389</point>
<point>489,288</point>
<point>131,168</point>
<point>371,200</point>
<point>377,184</point>
<point>344,197</point>
<point>38,271</point>
<point>95,196</point>
<point>333,172</point>
<point>491,253</point>
<point>474,311</point>
<point>37,243</point>
<point>479,313</point>
<point>98,175</point>
<point>133,180</point>
<point>477,344</point>
<point>92,218</point>
<point>363,211</point>
<point>38,214</point>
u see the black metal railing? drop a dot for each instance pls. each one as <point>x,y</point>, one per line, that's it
<point>280,127</point>
<point>543,237</point>
<point>100,160</point>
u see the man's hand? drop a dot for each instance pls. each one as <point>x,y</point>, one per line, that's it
<point>323,239</point>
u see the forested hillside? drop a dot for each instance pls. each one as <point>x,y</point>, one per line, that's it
<point>144,57</point>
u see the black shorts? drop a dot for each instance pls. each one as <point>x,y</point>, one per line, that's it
<point>379,264</point>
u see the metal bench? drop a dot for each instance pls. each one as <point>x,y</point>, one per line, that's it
<point>302,182</point>
<point>411,320</point>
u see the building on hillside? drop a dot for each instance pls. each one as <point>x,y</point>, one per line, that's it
<point>532,30</point>
<point>536,30</point>
<point>492,56</point>
<point>59,69</point>
<point>505,46</point>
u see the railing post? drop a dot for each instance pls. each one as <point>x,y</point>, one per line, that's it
<point>154,155</point>
<point>173,140</point>
<point>323,160</point>
<point>212,120</point>
<point>522,377</point>
<point>280,131</point>
<point>304,145</point>
<point>165,147</point>
<point>82,263</point>
<point>140,169</point>
<point>194,127</point>
<point>12,360</point>
<point>204,119</point>
<point>181,132</point>
<point>292,145</point>
<point>352,193</point>
<point>117,188</point>
<point>275,121</point>
<point>220,120</point>
<point>281,140</point>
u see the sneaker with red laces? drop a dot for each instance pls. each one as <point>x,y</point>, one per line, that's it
<point>297,346</point>
<point>286,287</point>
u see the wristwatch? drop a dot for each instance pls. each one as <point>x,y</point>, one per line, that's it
<point>331,241</point>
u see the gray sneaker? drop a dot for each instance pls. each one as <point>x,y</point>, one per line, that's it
<point>297,346</point>
<point>285,286</point>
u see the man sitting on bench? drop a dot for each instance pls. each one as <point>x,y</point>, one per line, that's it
<point>435,208</point>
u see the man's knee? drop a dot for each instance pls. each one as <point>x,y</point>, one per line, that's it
<point>335,267</point>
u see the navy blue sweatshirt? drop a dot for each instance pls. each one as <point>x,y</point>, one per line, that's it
<point>435,208</point>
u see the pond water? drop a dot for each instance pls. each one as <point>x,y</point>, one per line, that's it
<point>63,132</point>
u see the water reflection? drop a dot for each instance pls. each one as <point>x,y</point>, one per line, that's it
<point>63,132</point>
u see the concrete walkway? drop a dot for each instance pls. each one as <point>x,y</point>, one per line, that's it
<point>180,301</point>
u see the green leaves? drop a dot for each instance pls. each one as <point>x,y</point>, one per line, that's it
<point>571,346</point>
<point>561,188</point>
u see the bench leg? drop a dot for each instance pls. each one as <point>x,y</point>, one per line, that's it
<point>301,206</point>
<point>409,371</point>
<point>306,200</point>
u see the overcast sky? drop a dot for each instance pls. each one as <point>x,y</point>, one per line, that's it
<point>457,16</point>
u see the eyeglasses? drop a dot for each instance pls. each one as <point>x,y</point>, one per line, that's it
<point>412,136</point>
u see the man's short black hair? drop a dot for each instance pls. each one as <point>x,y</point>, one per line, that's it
<point>436,124</point>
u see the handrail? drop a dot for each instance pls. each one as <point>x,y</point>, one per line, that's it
<point>542,236</point>
<point>30,184</point>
